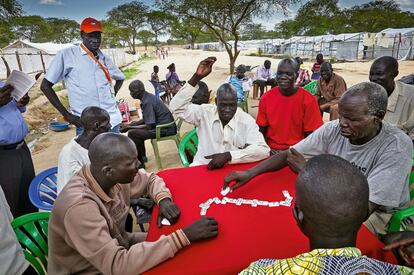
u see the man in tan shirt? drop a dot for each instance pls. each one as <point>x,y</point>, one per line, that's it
<point>330,88</point>
<point>400,108</point>
<point>87,226</point>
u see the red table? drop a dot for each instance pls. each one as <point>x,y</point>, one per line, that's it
<point>245,233</point>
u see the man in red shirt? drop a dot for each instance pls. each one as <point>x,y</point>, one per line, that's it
<point>287,114</point>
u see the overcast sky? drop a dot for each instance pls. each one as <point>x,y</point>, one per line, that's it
<point>80,9</point>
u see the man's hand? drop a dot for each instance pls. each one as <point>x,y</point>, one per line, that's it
<point>203,70</point>
<point>218,160</point>
<point>295,160</point>
<point>325,107</point>
<point>239,177</point>
<point>124,128</point>
<point>168,210</point>
<point>23,101</point>
<point>5,94</point>
<point>73,119</point>
<point>403,242</point>
<point>204,228</point>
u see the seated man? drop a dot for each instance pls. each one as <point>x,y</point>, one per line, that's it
<point>225,132</point>
<point>317,67</point>
<point>331,227</point>
<point>239,82</point>
<point>287,113</point>
<point>329,89</point>
<point>86,228</point>
<point>381,151</point>
<point>400,109</point>
<point>154,112</point>
<point>74,155</point>
<point>303,73</point>
<point>408,79</point>
<point>264,76</point>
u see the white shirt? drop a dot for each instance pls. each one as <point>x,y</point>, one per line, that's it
<point>71,159</point>
<point>240,137</point>
<point>86,82</point>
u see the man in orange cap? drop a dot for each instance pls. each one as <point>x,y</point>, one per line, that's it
<point>88,74</point>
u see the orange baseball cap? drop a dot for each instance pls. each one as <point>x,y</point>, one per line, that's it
<point>90,25</point>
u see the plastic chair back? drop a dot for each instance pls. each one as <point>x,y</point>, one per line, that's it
<point>31,232</point>
<point>311,87</point>
<point>43,190</point>
<point>188,143</point>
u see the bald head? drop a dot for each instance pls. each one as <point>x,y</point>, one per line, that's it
<point>136,89</point>
<point>226,102</point>
<point>333,196</point>
<point>93,118</point>
<point>226,91</point>
<point>107,148</point>
<point>373,94</point>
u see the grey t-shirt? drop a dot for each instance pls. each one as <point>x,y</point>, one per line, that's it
<point>385,160</point>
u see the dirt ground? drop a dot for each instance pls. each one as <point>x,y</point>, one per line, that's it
<point>49,145</point>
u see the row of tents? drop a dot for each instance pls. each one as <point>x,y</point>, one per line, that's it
<point>398,43</point>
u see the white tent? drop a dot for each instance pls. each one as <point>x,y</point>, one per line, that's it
<point>395,42</point>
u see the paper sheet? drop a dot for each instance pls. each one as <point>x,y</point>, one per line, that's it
<point>21,82</point>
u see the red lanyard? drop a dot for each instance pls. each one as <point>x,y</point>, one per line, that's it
<point>108,77</point>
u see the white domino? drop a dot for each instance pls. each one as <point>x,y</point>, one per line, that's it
<point>225,191</point>
<point>165,222</point>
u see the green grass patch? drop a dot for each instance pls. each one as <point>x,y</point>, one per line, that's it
<point>130,72</point>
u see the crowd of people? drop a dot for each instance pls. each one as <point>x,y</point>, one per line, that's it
<point>352,170</point>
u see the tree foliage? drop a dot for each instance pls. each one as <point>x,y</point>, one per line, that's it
<point>146,37</point>
<point>224,18</point>
<point>187,29</point>
<point>130,16</point>
<point>159,22</point>
<point>9,9</point>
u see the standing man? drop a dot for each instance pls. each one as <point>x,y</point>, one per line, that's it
<point>287,113</point>
<point>330,88</point>
<point>400,108</point>
<point>16,166</point>
<point>264,76</point>
<point>88,74</point>
<point>154,112</point>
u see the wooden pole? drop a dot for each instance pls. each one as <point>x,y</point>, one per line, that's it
<point>18,61</point>
<point>399,42</point>
<point>43,62</point>
<point>393,47</point>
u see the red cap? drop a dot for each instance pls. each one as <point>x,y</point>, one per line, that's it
<point>91,25</point>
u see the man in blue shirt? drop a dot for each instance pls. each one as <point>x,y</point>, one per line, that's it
<point>88,74</point>
<point>239,82</point>
<point>154,112</point>
<point>16,166</point>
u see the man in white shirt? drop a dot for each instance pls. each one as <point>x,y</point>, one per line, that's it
<point>226,134</point>
<point>264,76</point>
<point>74,155</point>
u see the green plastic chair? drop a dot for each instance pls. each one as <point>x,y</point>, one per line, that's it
<point>31,231</point>
<point>189,142</point>
<point>311,87</point>
<point>244,104</point>
<point>158,138</point>
<point>398,217</point>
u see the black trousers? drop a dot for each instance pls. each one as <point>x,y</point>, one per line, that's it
<point>140,135</point>
<point>262,84</point>
<point>16,173</point>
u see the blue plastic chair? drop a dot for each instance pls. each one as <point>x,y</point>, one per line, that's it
<point>43,189</point>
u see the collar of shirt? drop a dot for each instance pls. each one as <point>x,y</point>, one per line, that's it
<point>231,124</point>
<point>99,52</point>
<point>94,185</point>
<point>393,99</point>
<point>344,251</point>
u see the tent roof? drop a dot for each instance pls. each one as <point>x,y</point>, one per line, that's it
<point>392,32</point>
<point>50,48</point>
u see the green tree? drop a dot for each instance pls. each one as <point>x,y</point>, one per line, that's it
<point>224,18</point>
<point>9,9</point>
<point>159,22</point>
<point>146,37</point>
<point>6,34</point>
<point>30,27</point>
<point>130,16</point>
<point>61,30</point>
<point>187,29</point>
<point>114,36</point>
<point>252,31</point>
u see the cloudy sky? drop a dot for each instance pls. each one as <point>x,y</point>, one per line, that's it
<point>79,9</point>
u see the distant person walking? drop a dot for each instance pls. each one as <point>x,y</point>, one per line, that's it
<point>88,74</point>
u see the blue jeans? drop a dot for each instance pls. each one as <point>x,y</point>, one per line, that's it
<point>116,129</point>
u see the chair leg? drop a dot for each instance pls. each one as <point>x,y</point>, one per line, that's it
<point>157,154</point>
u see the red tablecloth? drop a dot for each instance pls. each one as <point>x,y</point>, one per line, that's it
<point>245,233</point>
